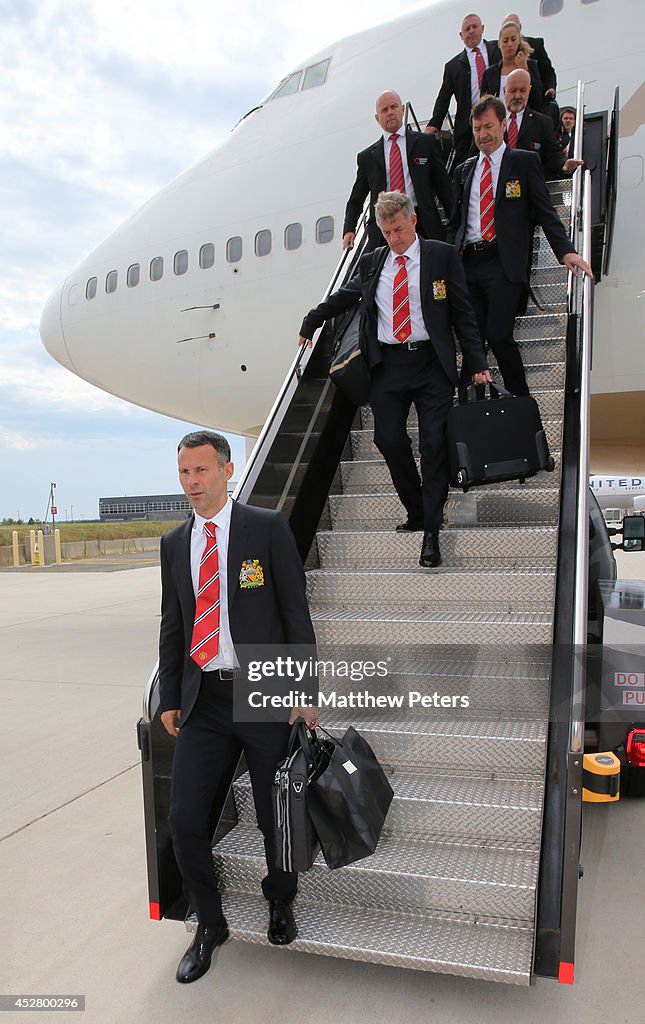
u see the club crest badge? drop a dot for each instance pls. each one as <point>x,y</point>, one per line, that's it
<point>251,574</point>
<point>439,290</point>
<point>513,189</point>
<point>421,161</point>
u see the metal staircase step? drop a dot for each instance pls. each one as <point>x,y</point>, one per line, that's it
<point>435,943</point>
<point>485,506</point>
<point>407,874</point>
<point>444,627</point>
<point>460,546</point>
<point>549,401</point>
<point>372,476</point>
<point>444,589</point>
<point>447,806</point>
<point>363,446</point>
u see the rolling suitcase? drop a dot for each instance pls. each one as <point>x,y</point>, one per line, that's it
<point>496,438</point>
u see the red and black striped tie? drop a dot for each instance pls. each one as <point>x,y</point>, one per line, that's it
<point>487,202</point>
<point>511,131</point>
<point>205,640</point>
<point>401,303</point>
<point>397,178</point>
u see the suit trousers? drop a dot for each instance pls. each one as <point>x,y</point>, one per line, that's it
<point>402,378</point>
<point>495,302</point>
<point>207,749</point>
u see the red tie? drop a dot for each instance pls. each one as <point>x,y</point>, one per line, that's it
<point>205,642</point>
<point>479,64</point>
<point>397,179</point>
<point>511,131</point>
<point>487,202</point>
<point>401,303</point>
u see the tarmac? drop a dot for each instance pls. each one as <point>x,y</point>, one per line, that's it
<point>76,648</point>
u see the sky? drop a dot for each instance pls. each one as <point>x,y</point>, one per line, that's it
<point>104,102</point>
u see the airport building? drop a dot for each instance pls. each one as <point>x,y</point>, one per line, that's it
<point>144,506</point>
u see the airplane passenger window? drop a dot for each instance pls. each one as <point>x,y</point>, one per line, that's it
<point>324,230</point>
<point>111,282</point>
<point>234,249</point>
<point>316,74</point>
<point>263,243</point>
<point>156,268</point>
<point>288,86</point>
<point>207,256</point>
<point>134,274</point>
<point>180,265</point>
<point>293,236</point>
<point>90,288</point>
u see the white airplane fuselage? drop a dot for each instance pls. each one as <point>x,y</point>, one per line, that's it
<point>161,344</point>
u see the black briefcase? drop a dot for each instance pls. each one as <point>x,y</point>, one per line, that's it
<point>349,370</point>
<point>296,842</point>
<point>495,438</point>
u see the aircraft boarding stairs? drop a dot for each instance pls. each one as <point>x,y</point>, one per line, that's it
<point>452,886</point>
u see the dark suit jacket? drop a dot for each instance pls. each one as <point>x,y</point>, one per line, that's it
<point>547,71</point>
<point>439,263</point>
<point>568,138</point>
<point>429,179</point>
<point>536,133</point>
<point>456,82</point>
<point>275,613</point>
<point>491,83</point>
<point>521,172</point>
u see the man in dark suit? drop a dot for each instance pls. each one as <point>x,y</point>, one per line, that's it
<point>462,77</point>
<point>401,160</point>
<point>498,195</point>
<point>230,575</point>
<point>413,295</point>
<point>568,129</point>
<point>526,129</point>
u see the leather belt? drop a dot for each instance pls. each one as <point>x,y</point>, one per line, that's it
<point>411,346</point>
<point>227,675</point>
<point>480,246</point>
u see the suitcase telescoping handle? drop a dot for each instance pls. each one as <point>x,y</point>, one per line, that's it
<point>477,392</point>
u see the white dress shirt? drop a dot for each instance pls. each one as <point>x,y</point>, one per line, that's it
<point>403,149</point>
<point>225,657</point>
<point>474,78</point>
<point>473,223</point>
<point>384,292</point>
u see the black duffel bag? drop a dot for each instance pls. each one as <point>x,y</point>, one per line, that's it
<point>349,370</point>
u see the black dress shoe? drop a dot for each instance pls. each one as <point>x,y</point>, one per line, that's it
<point>430,553</point>
<point>197,958</point>
<point>282,925</point>
<point>410,526</point>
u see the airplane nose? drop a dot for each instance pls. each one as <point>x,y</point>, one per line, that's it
<point>51,329</point>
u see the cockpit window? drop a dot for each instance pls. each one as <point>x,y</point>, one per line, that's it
<point>324,230</point>
<point>134,274</point>
<point>90,288</point>
<point>288,86</point>
<point>316,74</point>
<point>156,268</point>
<point>111,282</point>
<point>263,243</point>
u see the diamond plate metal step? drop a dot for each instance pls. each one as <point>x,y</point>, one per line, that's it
<point>460,546</point>
<point>550,403</point>
<point>486,505</point>
<point>404,874</point>
<point>429,806</point>
<point>444,589</point>
<point>420,942</point>
<point>363,446</point>
<point>442,627</point>
<point>373,476</point>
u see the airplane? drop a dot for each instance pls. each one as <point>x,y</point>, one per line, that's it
<point>191,307</point>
